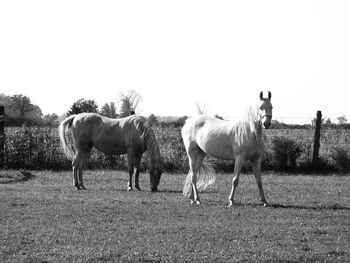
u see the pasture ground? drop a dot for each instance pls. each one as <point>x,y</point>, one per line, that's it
<point>43,219</point>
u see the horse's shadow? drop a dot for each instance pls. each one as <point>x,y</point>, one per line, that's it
<point>167,191</point>
<point>302,207</point>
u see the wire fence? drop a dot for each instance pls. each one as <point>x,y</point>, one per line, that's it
<point>285,120</point>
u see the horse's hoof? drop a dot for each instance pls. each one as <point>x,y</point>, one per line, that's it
<point>82,187</point>
<point>138,188</point>
<point>198,202</point>
<point>230,204</point>
<point>129,188</point>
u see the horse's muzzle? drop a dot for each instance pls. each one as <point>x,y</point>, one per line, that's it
<point>267,124</point>
<point>267,121</point>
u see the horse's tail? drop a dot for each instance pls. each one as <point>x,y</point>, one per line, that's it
<point>63,130</point>
<point>205,178</point>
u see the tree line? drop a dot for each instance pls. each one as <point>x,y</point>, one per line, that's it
<point>20,110</point>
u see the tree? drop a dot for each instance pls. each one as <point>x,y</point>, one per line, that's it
<point>35,114</point>
<point>218,117</point>
<point>201,109</point>
<point>109,110</point>
<point>50,119</point>
<point>22,104</point>
<point>342,119</point>
<point>83,105</point>
<point>19,110</point>
<point>328,122</point>
<point>129,101</point>
<point>153,121</point>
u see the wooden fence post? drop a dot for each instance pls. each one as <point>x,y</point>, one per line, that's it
<point>315,159</point>
<point>2,136</point>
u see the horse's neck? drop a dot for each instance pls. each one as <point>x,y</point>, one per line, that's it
<point>253,120</point>
<point>153,149</point>
<point>155,157</point>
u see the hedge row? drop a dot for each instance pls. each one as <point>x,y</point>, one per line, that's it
<point>39,148</point>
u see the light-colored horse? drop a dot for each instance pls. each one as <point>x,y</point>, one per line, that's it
<point>204,135</point>
<point>131,135</point>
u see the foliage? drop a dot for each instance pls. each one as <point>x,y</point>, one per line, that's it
<point>109,110</point>
<point>218,117</point>
<point>19,110</point>
<point>129,101</point>
<point>201,109</point>
<point>342,119</point>
<point>50,120</point>
<point>83,105</point>
<point>33,148</point>
<point>178,122</point>
<point>153,121</point>
<point>286,151</point>
<point>39,148</point>
<point>22,104</point>
<point>341,157</point>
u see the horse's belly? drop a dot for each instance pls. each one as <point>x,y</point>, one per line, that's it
<point>222,151</point>
<point>111,149</point>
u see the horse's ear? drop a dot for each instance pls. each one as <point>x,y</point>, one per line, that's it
<point>269,95</point>
<point>261,95</point>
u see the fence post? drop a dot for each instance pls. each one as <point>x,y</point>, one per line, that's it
<point>2,136</point>
<point>316,150</point>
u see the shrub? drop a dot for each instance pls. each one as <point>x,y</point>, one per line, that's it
<point>33,148</point>
<point>286,152</point>
<point>39,148</point>
<point>341,159</point>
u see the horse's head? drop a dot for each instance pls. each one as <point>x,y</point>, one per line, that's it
<point>265,110</point>
<point>155,174</point>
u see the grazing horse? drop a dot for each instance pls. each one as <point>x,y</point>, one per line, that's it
<point>204,135</point>
<point>131,135</point>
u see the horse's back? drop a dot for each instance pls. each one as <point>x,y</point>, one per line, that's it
<point>111,136</point>
<point>210,134</point>
<point>204,123</point>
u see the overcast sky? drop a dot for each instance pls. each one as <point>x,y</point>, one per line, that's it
<point>220,54</point>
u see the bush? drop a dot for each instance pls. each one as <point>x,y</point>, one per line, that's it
<point>39,148</point>
<point>286,152</point>
<point>341,159</point>
<point>33,148</point>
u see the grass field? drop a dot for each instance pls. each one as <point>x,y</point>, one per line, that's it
<point>43,219</point>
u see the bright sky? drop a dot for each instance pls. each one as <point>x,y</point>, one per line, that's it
<point>220,54</point>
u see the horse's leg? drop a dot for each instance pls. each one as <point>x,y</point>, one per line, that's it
<point>257,172</point>
<point>81,166</point>
<point>75,174</point>
<point>137,171</point>
<point>81,162</point>
<point>131,162</point>
<point>195,164</point>
<point>238,167</point>
<point>77,164</point>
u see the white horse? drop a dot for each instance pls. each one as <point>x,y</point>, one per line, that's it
<point>205,135</point>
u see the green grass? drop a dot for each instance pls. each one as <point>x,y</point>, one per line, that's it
<point>44,219</point>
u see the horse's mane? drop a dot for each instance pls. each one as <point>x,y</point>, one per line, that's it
<point>248,125</point>
<point>149,140</point>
